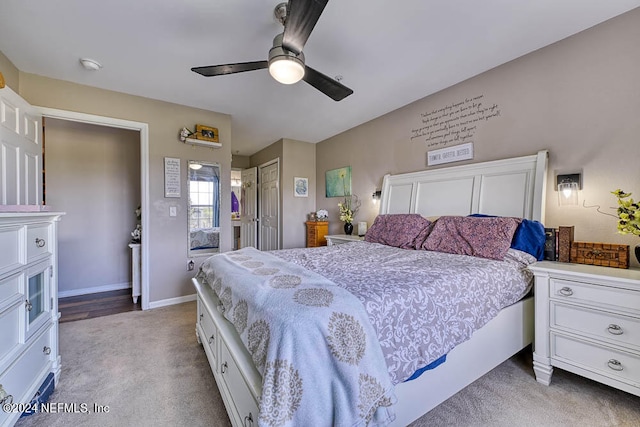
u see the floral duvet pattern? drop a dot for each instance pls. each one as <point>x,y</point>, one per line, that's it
<point>420,303</point>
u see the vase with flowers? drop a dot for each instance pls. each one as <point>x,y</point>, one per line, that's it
<point>348,210</point>
<point>136,234</point>
<point>628,216</point>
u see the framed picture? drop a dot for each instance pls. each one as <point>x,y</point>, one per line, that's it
<point>301,187</point>
<point>206,133</point>
<point>338,182</point>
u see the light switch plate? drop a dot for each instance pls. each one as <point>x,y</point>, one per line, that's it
<point>173,211</point>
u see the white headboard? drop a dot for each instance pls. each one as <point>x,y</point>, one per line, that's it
<point>510,187</point>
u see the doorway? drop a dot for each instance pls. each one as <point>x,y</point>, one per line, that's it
<point>143,132</point>
<point>93,174</point>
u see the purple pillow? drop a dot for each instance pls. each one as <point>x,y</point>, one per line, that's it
<point>397,230</point>
<point>488,237</point>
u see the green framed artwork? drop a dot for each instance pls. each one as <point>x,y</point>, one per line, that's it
<point>338,182</point>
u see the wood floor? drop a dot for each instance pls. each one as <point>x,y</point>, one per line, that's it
<point>96,305</point>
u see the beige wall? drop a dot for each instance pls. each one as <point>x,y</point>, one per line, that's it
<point>93,175</point>
<point>299,160</point>
<point>168,275</point>
<point>240,162</point>
<point>578,98</point>
<point>10,73</point>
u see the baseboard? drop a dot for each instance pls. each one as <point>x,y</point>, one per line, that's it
<point>94,290</point>
<point>172,301</point>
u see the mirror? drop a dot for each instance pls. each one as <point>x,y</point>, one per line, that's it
<point>204,207</point>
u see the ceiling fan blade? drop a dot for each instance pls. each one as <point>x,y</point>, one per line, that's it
<point>325,84</point>
<point>219,70</point>
<point>301,18</point>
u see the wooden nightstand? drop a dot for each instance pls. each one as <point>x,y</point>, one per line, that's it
<point>337,239</point>
<point>588,322</point>
<point>316,230</point>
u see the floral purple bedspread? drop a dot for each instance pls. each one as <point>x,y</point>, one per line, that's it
<point>420,303</point>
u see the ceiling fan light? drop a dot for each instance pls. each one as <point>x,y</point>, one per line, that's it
<point>286,70</point>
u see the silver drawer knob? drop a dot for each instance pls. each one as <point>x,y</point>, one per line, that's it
<point>40,242</point>
<point>223,367</point>
<point>28,305</point>
<point>5,397</point>
<point>615,364</point>
<point>248,420</point>
<point>614,329</point>
<point>46,350</point>
<point>566,291</point>
<point>212,339</point>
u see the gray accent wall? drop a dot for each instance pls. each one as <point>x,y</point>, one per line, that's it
<point>579,98</point>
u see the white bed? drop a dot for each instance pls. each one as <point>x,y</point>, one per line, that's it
<point>513,187</point>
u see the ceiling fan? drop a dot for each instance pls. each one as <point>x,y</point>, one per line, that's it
<point>286,60</point>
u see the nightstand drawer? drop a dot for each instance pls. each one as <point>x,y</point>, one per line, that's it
<point>595,294</point>
<point>614,328</point>
<point>619,365</point>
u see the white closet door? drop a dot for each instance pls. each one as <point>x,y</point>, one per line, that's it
<point>20,151</point>
<point>249,208</point>
<point>269,202</point>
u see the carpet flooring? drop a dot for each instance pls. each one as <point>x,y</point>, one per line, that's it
<point>147,368</point>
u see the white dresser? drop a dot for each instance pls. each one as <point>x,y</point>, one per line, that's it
<point>28,307</point>
<point>587,321</point>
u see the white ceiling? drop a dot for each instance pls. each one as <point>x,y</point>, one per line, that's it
<point>389,53</point>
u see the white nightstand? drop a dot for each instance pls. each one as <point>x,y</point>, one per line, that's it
<point>587,321</point>
<point>337,239</point>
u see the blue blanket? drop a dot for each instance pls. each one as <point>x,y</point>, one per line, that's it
<point>311,340</point>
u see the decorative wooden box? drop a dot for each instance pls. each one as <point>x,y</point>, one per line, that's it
<point>604,254</point>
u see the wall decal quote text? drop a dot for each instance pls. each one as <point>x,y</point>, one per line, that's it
<point>454,123</point>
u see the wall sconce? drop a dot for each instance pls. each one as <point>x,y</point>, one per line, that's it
<point>568,186</point>
<point>376,196</point>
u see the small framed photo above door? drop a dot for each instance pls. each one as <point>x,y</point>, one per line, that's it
<point>301,187</point>
<point>206,133</point>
